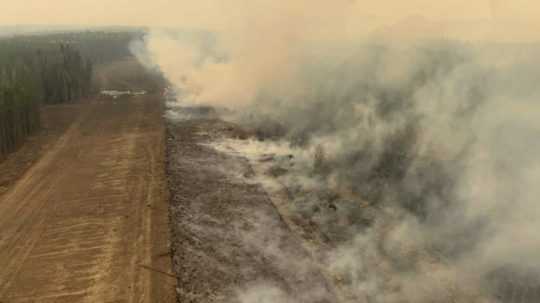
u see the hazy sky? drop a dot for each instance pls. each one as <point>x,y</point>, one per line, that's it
<point>509,18</point>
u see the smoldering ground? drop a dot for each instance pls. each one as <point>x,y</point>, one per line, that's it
<point>416,161</point>
<point>442,156</point>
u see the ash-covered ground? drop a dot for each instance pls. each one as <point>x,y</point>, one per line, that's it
<point>230,243</point>
<point>252,222</point>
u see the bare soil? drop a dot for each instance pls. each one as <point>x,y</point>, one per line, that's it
<point>83,216</point>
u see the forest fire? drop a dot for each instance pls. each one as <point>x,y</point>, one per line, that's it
<point>269,152</point>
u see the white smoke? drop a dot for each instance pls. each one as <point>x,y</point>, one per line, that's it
<point>438,137</point>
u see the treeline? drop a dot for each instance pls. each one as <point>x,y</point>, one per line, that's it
<point>48,69</point>
<point>65,75</point>
<point>19,106</point>
<point>36,71</point>
<point>101,47</point>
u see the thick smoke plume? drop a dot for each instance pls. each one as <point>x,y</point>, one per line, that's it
<point>436,138</point>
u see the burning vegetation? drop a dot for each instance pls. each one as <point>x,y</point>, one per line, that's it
<point>398,165</point>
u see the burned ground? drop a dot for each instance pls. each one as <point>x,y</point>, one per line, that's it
<point>227,236</point>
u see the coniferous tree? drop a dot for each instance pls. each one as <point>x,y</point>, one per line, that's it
<point>34,73</point>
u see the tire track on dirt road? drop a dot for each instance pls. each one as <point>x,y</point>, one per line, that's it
<point>79,226</point>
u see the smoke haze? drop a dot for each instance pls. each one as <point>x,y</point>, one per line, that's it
<point>481,19</point>
<point>430,116</point>
<point>435,129</point>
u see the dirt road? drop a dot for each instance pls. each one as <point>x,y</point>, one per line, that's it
<point>88,221</point>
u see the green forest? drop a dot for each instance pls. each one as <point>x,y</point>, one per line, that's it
<point>49,69</point>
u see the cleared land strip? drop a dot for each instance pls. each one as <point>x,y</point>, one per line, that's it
<point>84,223</point>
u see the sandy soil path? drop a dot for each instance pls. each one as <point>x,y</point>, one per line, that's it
<point>88,222</point>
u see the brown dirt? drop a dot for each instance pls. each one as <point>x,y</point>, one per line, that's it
<point>125,74</point>
<point>84,219</point>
